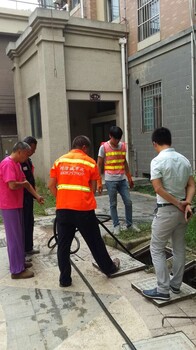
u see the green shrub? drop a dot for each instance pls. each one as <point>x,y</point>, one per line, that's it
<point>49,200</point>
<point>190,236</point>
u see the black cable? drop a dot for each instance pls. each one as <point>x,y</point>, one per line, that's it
<point>115,238</point>
<point>112,319</point>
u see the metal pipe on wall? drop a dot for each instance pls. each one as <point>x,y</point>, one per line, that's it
<point>82,8</point>
<point>122,42</point>
<point>193,98</point>
<point>193,41</point>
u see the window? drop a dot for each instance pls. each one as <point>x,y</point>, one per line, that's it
<point>113,10</point>
<point>35,112</point>
<point>46,3</point>
<point>148,18</point>
<point>151,107</point>
<point>74,3</point>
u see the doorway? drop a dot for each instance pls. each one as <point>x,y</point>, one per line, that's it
<point>101,133</point>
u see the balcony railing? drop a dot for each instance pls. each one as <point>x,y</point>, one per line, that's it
<point>32,4</point>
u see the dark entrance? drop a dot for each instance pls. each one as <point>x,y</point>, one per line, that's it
<point>93,119</point>
<point>101,133</point>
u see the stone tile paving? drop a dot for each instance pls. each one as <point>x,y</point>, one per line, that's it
<point>37,314</point>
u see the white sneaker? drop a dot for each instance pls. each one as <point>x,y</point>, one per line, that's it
<point>134,228</point>
<point>117,230</point>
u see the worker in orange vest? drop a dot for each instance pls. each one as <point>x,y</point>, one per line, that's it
<point>73,181</point>
<point>112,156</point>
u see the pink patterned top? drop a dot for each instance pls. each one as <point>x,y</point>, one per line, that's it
<point>10,171</point>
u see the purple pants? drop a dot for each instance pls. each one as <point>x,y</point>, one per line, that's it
<point>14,229</point>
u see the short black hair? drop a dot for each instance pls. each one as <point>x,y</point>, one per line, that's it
<point>81,141</point>
<point>20,145</point>
<point>162,136</point>
<point>116,132</point>
<point>30,140</point>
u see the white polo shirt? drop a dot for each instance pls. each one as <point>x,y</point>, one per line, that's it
<point>174,171</point>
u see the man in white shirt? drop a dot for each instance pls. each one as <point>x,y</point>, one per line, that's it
<point>172,179</point>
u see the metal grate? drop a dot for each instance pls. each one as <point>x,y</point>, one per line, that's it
<point>151,106</point>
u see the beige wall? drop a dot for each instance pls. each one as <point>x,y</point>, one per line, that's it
<point>69,59</point>
<point>13,21</point>
<point>7,103</point>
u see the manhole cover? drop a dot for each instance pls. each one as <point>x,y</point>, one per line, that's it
<point>151,282</point>
<point>127,264</point>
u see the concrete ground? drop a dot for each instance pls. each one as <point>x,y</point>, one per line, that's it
<point>37,314</point>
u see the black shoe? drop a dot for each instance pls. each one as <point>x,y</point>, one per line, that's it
<point>116,262</point>
<point>175,290</point>
<point>64,284</point>
<point>33,251</point>
<point>153,294</point>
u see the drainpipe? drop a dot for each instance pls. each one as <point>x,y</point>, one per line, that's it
<point>192,11</point>
<point>193,96</point>
<point>82,8</point>
<point>122,42</point>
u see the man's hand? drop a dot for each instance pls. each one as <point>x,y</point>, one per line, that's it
<point>183,205</point>
<point>99,186</point>
<point>130,180</point>
<point>188,213</point>
<point>131,183</point>
<point>40,199</point>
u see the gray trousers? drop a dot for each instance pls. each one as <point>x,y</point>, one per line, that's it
<point>168,223</point>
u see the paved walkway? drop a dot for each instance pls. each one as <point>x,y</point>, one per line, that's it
<point>37,314</point>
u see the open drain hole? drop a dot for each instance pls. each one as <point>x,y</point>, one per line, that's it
<point>144,255</point>
<point>189,277</point>
<point>190,274</point>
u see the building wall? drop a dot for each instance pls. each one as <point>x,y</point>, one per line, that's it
<point>7,103</point>
<point>90,9</point>
<point>170,63</point>
<point>174,17</point>
<point>12,23</point>
<point>67,61</point>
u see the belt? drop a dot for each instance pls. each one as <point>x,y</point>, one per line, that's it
<point>159,205</point>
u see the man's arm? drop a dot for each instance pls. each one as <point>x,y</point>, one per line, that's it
<point>100,163</point>
<point>190,189</point>
<point>15,185</point>
<point>52,186</point>
<point>128,174</point>
<point>93,185</point>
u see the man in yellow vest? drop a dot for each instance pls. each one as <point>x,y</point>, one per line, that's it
<point>112,156</point>
<point>73,181</point>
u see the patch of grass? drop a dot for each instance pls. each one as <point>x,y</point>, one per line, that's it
<point>49,200</point>
<point>126,235</point>
<point>146,189</point>
<point>190,236</point>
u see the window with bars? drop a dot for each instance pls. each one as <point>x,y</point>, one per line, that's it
<point>113,10</point>
<point>151,107</point>
<point>148,18</point>
<point>35,113</point>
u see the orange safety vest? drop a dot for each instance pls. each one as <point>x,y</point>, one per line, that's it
<point>114,159</point>
<point>73,172</point>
